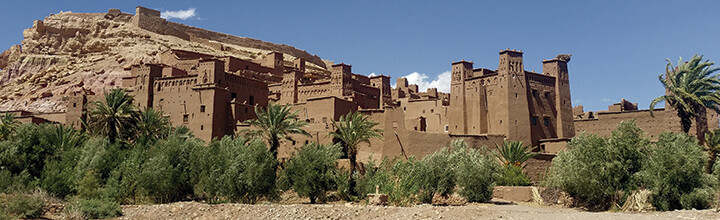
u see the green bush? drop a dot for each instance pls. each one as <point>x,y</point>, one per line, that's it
<point>593,169</point>
<point>405,184</point>
<point>674,172</point>
<point>21,182</point>
<point>513,176</point>
<point>237,169</point>
<point>21,205</point>
<point>99,208</point>
<point>436,175</point>
<point>375,175</point>
<point>397,179</point>
<point>476,172</point>
<point>313,170</point>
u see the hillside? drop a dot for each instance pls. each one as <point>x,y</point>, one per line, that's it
<point>68,52</point>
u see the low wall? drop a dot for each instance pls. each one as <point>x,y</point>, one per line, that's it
<point>538,165</point>
<point>513,193</point>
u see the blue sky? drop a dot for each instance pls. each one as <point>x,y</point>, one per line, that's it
<point>618,47</point>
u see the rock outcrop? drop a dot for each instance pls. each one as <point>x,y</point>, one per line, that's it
<point>69,52</point>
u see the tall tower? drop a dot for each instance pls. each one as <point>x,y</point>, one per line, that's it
<point>289,89</point>
<point>143,85</point>
<point>461,70</point>
<point>382,82</point>
<point>513,101</point>
<point>557,67</point>
<point>340,79</point>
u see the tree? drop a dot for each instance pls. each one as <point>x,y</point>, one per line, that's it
<point>712,144</point>
<point>351,130</point>
<point>116,117</point>
<point>513,153</point>
<point>276,122</point>
<point>7,125</point>
<point>152,125</point>
<point>311,172</point>
<point>692,87</point>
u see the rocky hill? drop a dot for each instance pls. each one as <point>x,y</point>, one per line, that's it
<point>68,52</point>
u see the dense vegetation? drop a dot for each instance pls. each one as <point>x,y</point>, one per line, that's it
<point>151,162</point>
<point>600,172</point>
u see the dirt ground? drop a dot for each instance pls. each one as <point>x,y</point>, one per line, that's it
<point>196,210</point>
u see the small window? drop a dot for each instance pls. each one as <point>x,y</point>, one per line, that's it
<point>423,111</point>
<point>202,108</point>
<point>516,95</point>
<point>546,121</point>
<point>404,108</point>
<point>534,120</point>
<point>432,110</point>
<point>201,127</point>
<point>293,142</point>
<point>185,118</point>
<point>74,104</point>
<point>307,142</point>
<point>447,128</point>
<point>252,100</point>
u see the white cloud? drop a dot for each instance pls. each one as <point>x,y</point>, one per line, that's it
<point>441,82</point>
<point>179,14</point>
<point>607,100</point>
<point>372,74</point>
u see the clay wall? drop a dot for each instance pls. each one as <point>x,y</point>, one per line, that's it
<point>150,20</point>
<point>541,99</point>
<point>606,122</point>
<point>433,112</point>
<point>537,167</point>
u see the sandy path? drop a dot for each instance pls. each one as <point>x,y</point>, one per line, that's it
<point>195,210</point>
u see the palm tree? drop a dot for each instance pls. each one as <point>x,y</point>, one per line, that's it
<point>351,130</point>
<point>513,153</point>
<point>276,122</point>
<point>116,117</point>
<point>7,125</point>
<point>152,125</point>
<point>691,87</point>
<point>712,143</point>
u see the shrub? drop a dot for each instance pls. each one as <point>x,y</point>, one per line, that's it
<point>405,184</point>
<point>312,171</point>
<point>397,179</point>
<point>513,176</point>
<point>476,172</point>
<point>375,175</point>
<point>436,175</point>
<point>674,172</point>
<point>99,208</point>
<point>593,169</point>
<point>165,175</point>
<point>21,205</point>
<point>238,169</point>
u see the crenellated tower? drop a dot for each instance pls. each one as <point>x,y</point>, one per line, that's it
<point>557,67</point>
<point>514,115</point>
<point>457,113</point>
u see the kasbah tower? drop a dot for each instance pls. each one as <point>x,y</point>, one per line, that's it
<point>534,108</point>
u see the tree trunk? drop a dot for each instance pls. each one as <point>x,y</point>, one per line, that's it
<point>711,161</point>
<point>274,145</point>
<point>685,121</point>
<point>701,124</point>
<point>353,167</point>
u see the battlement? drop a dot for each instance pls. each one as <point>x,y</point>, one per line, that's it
<point>462,61</point>
<point>513,51</point>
